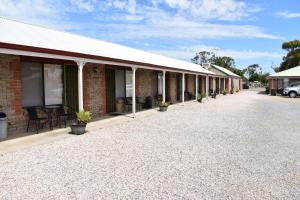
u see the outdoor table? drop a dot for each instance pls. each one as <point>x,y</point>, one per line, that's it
<point>50,111</point>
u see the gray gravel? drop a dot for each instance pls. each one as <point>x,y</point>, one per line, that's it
<point>242,146</point>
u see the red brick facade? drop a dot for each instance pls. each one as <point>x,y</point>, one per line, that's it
<point>94,89</point>
<point>86,87</point>
<point>190,87</point>
<point>94,98</point>
<point>102,88</point>
<point>172,88</point>
<point>143,83</point>
<point>10,92</point>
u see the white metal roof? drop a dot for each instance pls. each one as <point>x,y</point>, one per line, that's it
<point>293,72</point>
<point>18,33</point>
<point>226,71</point>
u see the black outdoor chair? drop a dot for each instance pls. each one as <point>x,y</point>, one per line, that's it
<point>33,116</point>
<point>64,114</point>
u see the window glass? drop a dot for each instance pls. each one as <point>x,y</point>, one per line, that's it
<point>159,83</point>
<point>120,83</point>
<point>128,83</point>
<point>53,80</point>
<point>32,84</point>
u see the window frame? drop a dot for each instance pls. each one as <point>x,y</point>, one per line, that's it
<point>43,84</point>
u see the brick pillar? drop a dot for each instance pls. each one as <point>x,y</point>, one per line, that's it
<point>15,84</point>
<point>138,82</point>
<point>102,89</point>
<point>86,87</point>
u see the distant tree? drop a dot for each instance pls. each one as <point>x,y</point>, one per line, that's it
<point>251,69</point>
<point>292,58</point>
<point>260,77</point>
<point>202,57</point>
<point>223,61</point>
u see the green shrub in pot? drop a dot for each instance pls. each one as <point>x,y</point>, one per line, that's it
<point>83,117</point>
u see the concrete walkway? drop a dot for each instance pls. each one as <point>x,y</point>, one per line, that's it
<point>241,146</point>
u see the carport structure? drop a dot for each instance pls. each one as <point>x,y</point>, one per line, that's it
<point>284,78</point>
<point>46,67</point>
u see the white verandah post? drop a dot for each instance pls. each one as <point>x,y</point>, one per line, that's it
<point>207,87</point>
<point>196,89</point>
<point>183,86</point>
<point>229,84</point>
<point>80,84</point>
<point>219,80</point>
<point>164,86</point>
<point>224,86</point>
<point>133,91</point>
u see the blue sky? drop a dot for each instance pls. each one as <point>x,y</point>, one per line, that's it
<point>249,31</point>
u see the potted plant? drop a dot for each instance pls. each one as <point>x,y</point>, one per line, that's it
<point>224,92</point>
<point>231,91</point>
<point>199,98</point>
<point>163,106</point>
<point>83,117</point>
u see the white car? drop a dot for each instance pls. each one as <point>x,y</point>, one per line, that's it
<point>293,90</point>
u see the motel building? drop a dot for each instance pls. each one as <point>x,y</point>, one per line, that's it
<point>43,70</point>
<point>280,80</point>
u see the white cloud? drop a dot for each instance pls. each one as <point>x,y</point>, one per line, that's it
<point>225,10</point>
<point>159,24</point>
<point>46,13</point>
<point>139,20</point>
<point>83,5</point>
<point>289,15</point>
<point>127,5</point>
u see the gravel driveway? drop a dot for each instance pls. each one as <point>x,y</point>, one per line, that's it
<point>241,146</point>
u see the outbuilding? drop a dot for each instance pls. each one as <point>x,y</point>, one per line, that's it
<point>282,79</point>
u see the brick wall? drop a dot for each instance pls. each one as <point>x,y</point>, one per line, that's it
<point>94,98</point>
<point>191,83</point>
<point>172,87</point>
<point>11,96</point>
<point>144,79</point>
<point>10,92</point>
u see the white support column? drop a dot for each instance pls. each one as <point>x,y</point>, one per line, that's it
<point>164,86</point>
<point>183,86</point>
<point>229,84</point>
<point>80,84</point>
<point>196,89</point>
<point>219,79</point>
<point>133,91</point>
<point>207,87</point>
<point>214,84</point>
<point>224,86</point>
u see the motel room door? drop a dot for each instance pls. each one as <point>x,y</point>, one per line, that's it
<point>179,86</point>
<point>71,87</point>
<point>110,90</point>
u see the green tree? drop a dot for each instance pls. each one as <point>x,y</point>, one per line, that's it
<point>251,69</point>
<point>202,57</point>
<point>292,58</point>
<point>223,61</point>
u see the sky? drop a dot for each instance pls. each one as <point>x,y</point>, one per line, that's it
<point>250,31</point>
